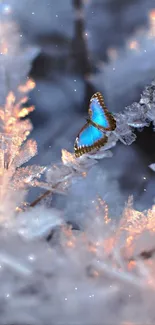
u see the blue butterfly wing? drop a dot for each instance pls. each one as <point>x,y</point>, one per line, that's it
<point>88,139</point>
<point>99,113</point>
<point>89,136</point>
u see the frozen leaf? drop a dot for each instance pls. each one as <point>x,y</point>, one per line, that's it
<point>27,174</point>
<point>123,132</point>
<point>26,152</point>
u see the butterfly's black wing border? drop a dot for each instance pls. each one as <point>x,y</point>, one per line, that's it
<point>80,150</point>
<point>109,116</point>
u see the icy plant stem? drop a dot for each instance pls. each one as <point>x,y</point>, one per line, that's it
<point>40,198</point>
<point>43,196</point>
<point>14,264</point>
<point>120,275</point>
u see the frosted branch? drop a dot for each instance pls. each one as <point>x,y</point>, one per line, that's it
<point>135,116</point>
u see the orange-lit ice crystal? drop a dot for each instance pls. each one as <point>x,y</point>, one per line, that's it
<point>14,132</point>
<point>25,111</point>
<point>151,32</point>
<point>136,222</point>
<point>3,47</point>
<point>109,244</point>
<point>67,157</point>
<point>152,15</point>
<point>133,45</point>
<point>27,87</point>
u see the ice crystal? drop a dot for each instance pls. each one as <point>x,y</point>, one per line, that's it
<point>15,150</point>
<point>98,269</point>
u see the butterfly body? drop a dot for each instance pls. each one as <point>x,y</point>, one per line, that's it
<point>92,135</point>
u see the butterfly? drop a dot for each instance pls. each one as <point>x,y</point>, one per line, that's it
<point>92,135</point>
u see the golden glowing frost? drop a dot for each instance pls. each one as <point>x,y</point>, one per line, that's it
<point>121,248</point>
<point>15,149</point>
<point>14,132</point>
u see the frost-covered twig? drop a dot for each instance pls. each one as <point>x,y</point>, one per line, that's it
<point>15,127</point>
<point>14,264</point>
<point>40,198</point>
